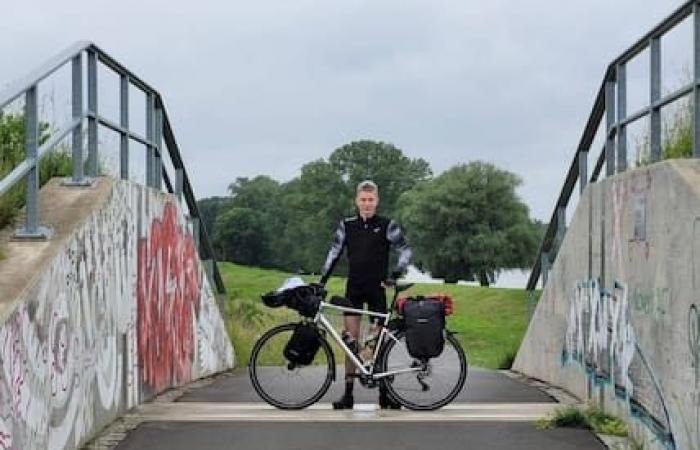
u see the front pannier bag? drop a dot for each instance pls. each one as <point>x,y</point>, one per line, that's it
<point>303,345</point>
<point>424,319</point>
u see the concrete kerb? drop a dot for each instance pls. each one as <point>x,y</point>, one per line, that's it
<point>558,394</point>
<point>118,430</point>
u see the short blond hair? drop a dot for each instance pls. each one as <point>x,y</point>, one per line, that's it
<point>367,186</point>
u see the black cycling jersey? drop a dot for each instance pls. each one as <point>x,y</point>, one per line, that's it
<point>368,243</point>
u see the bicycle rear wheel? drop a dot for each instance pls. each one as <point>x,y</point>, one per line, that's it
<point>286,385</point>
<point>435,385</point>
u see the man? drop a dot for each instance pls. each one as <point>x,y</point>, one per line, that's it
<point>368,238</point>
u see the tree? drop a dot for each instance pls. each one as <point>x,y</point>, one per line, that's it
<point>468,223</point>
<point>383,163</point>
<point>210,209</point>
<point>316,202</point>
<point>244,225</point>
<point>241,237</point>
<point>297,219</point>
<point>260,193</point>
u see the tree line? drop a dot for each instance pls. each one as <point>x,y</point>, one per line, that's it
<point>467,223</point>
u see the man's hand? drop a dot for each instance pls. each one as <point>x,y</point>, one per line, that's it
<point>391,281</point>
<point>318,287</point>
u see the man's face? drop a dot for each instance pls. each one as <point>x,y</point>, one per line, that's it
<point>366,203</point>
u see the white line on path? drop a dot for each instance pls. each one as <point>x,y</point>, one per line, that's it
<point>261,412</point>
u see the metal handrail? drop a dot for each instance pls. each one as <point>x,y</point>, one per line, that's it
<point>158,126</point>
<point>604,104</point>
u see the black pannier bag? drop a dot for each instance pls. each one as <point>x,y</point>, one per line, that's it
<point>304,300</point>
<point>424,320</point>
<point>303,345</point>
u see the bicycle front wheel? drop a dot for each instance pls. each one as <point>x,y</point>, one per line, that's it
<point>286,385</point>
<point>435,384</point>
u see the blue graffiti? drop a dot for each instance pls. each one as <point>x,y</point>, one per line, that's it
<point>601,340</point>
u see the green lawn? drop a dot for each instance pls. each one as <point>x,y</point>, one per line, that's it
<point>490,322</point>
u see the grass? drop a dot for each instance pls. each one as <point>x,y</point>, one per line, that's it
<point>490,322</point>
<point>507,359</point>
<point>591,418</point>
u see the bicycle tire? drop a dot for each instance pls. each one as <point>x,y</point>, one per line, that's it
<point>255,369</point>
<point>396,394</point>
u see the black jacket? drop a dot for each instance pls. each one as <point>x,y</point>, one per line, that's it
<point>368,243</point>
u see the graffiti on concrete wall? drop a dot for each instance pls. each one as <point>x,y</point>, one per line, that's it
<point>61,350</point>
<point>213,349</point>
<point>694,331</point>
<point>600,337</point>
<point>114,316</point>
<point>168,290</point>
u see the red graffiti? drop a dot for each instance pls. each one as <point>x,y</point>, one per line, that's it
<point>168,293</point>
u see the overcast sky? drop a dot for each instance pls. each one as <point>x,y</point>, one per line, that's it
<point>262,87</point>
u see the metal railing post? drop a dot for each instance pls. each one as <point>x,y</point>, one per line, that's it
<point>150,112</point>
<point>31,229</point>
<point>78,178</point>
<point>696,81</point>
<point>195,233</point>
<point>561,225</point>
<point>655,96</point>
<point>179,180</point>
<point>610,121</point>
<point>621,115</point>
<point>92,117</point>
<point>544,264</point>
<point>582,171</point>
<point>157,153</point>
<point>124,123</point>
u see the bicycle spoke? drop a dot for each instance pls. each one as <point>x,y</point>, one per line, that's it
<point>280,385</point>
<point>436,383</point>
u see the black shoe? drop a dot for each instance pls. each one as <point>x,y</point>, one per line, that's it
<point>386,402</point>
<point>345,402</point>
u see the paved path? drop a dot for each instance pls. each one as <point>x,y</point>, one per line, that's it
<point>493,412</point>
<point>482,386</point>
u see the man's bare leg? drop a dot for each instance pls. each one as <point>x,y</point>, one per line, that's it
<point>352,326</point>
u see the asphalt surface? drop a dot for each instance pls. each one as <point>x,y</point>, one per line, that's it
<point>360,436</point>
<point>223,422</point>
<point>483,386</point>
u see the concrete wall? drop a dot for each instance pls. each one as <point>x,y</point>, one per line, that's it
<point>121,311</point>
<point>619,320</point>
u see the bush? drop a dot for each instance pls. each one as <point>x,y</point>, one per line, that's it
<point>507,359</point>
<point>592,418</point>
<point>12,153</point>
<point>677,138</point>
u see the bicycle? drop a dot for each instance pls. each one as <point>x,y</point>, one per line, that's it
<point>426,384</point>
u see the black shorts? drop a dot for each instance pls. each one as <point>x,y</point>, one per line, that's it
<point>374,297</point>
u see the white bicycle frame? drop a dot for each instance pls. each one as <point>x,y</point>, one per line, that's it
<point>323,320</point>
